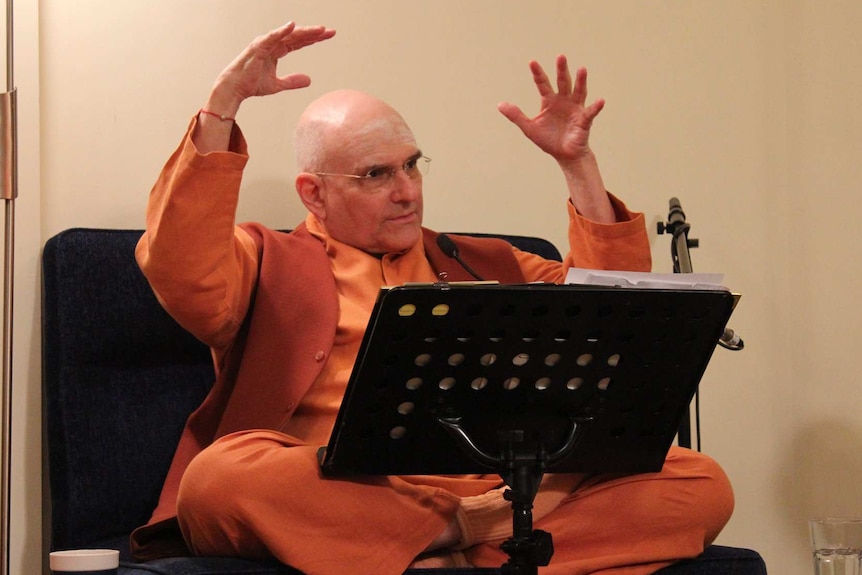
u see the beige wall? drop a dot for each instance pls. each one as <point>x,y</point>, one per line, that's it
<point>747,111</point>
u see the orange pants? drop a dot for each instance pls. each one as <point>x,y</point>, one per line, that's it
<point>258,494</point>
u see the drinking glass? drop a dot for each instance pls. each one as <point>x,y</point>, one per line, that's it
<point>836,543</point>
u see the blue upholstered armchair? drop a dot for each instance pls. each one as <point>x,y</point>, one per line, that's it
<point>120,378</point>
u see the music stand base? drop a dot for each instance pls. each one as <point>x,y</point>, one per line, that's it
<point>526,555</point>
<point>522,470</point>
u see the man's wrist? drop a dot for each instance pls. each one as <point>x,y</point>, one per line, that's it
<point>222,101</point>
<point>221,117</point>
<point>583,167</point>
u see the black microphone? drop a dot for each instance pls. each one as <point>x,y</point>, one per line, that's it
<point>675,215</point>
<point>448,247</point>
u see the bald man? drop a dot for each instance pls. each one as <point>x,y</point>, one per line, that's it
<point>285,314</point>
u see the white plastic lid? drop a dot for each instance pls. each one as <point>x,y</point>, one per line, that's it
<point>84,560</point>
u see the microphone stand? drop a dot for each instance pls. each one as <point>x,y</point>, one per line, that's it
<point>679,249</point>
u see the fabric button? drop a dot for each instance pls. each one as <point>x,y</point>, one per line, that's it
<point>319,356</point>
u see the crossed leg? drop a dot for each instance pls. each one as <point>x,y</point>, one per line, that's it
<point>260,494</point>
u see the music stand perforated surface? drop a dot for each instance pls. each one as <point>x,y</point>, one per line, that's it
<point>613,369</point>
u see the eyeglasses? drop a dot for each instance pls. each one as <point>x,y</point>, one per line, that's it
<point>382,176</point>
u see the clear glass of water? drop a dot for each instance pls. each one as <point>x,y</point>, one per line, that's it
<point>836,543</point>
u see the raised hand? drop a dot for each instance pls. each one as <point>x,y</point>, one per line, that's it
<point>562,127</point>
<point>254,71</point>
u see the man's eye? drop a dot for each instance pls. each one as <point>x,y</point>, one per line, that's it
<point>410,165</point>
<point>376,173</point>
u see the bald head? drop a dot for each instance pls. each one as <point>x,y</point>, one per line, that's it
<point>350,133</point>
<point>345,124</point>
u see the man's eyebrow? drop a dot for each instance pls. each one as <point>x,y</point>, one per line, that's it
<point>365,169</point>
<point>413,158</point>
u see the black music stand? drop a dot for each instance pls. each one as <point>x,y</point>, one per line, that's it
<point>523,380</point>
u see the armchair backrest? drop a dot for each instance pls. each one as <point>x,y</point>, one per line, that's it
<point>119,376</point>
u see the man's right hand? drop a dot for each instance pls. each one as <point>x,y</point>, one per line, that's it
<point>254,73</point>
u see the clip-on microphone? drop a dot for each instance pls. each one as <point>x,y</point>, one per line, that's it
<point>448,247</point>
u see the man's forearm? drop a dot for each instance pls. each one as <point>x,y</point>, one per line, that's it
<point>587,189</point>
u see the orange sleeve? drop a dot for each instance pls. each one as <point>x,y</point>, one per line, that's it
<point>622,245</point>
<point>200,265</point>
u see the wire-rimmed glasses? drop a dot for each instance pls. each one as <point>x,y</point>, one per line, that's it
<point>380,177</point>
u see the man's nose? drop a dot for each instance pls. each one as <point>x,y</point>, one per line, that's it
<point>405,188</point>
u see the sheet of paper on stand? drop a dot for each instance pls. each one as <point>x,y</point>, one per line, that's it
<point>650,280</point>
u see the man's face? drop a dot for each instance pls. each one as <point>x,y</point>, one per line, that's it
<point>382,212</point>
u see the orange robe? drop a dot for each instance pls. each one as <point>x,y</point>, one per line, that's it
<point>247,495</point>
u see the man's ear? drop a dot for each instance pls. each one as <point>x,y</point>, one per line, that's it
<point>312,194</point>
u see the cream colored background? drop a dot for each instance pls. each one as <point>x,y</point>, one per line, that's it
<point>749,112</point>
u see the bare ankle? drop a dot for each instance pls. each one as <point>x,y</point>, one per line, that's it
<point>448,538</point>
